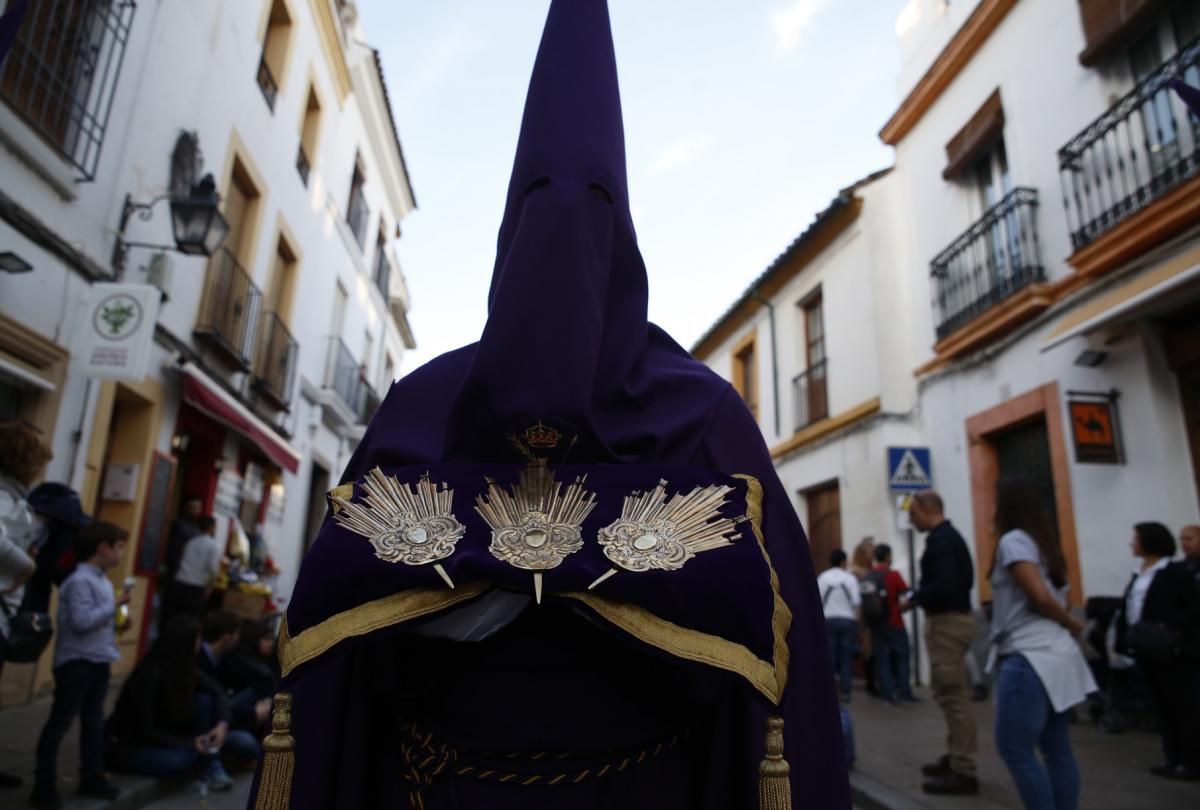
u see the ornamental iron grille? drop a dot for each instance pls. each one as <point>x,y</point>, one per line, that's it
<point>810,396</point>
<point>343,375</point>
<point>994,259</point>
<point>275,365</point>
<point>61,75</point>
<point>1140,150</point>
<point>267,83</point>
<point>229,309</point>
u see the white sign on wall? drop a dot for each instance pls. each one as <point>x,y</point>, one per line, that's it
<point>116,331</point>
<point>228,500</point>
<point>120,482</point>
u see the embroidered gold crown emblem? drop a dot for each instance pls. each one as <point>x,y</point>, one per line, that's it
<point>657,532</point>
<point>542,436</point>
<point>409,525</point>
<point>537,523</point>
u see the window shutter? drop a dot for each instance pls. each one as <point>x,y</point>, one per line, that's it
<point>973,140</point>
<point>1110,25</point>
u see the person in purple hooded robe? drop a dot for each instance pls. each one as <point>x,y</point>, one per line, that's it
<point>560,571</point>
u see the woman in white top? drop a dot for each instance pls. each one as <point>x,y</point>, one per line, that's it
<point>1041,672</point>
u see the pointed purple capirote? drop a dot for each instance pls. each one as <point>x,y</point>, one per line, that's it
<point>566,344</point>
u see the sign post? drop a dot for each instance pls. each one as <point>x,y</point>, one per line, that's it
<point>910,471</point>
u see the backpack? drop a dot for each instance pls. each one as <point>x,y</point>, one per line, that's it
<point>874,597</point>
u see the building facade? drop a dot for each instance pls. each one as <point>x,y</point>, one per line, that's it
<point>1056,176</point>
<point>270,354</point>
<point>821,347</point>
<point>1026,296</point>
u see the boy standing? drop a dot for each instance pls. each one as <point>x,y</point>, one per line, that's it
<point>86,645</point>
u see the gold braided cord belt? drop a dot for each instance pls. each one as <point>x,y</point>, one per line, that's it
<point>425,759</point>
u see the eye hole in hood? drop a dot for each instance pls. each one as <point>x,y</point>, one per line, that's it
<point>536,185</point>
<point>600,192</point>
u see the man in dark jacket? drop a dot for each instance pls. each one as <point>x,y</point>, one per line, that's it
<point>945,594</point>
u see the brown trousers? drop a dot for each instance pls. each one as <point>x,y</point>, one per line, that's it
<point>948,636</point>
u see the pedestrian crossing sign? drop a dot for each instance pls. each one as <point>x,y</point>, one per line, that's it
<point>909,469</point>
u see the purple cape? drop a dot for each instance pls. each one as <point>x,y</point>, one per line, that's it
<point>388,712</point>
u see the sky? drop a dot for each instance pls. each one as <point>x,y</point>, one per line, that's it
<point>742,121</point>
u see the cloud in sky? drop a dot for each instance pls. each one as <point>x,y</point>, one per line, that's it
<point>683,151</point>
<point>790,21</point>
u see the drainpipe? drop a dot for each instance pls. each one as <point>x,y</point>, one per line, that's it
<point>774,355</point>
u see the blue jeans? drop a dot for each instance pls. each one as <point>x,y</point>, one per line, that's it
<point>161,762</point>
<point>843,645</point>
<point>891,662</point>
<point>79,691</point>
<point>1025,720</point>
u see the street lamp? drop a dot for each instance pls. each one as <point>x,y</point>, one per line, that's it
<point>196,223</point>
<point>198,226</point>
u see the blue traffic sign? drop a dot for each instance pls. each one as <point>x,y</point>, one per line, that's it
<point>909,469</point>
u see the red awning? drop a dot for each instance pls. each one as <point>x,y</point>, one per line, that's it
<point>206,396</point>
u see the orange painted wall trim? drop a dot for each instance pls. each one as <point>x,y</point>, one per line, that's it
<point>984,462</point>
<point>825,427</point>
<point>985,19</point>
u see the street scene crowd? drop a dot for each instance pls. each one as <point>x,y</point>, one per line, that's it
<point>201,698</point>
<point>1048,667</point>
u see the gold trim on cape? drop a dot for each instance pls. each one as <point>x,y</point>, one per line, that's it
<point>769,678</point>
<point>367,618</point>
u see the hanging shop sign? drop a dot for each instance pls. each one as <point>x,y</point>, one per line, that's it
<point>115,331</point>
<point>1095,427</point>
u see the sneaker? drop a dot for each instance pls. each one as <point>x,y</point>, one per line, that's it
<point>952,784</point>
<point>99,787</point>
<point>215,777</point>
<point>939,768</point>
<point>45,798</point>
<point>909,699</point>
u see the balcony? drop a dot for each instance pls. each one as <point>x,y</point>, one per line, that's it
<point>991,262</point>
<point>810,397</point>
<point>275,364</point>
<point>61,75</point>
<point>343,377</point>
<point>1138,152</point>
<point>370,400</point>
<point>302,165</point>
<point>266,82</point>
<point>229,310</point>
<point>383,272</point>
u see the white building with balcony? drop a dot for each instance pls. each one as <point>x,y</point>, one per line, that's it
<point>269,356</point>
<point>1053,181</point>
<point>821,347</point>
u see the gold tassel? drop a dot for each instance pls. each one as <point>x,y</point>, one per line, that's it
<point>774,782</point>
<point>279,759</point>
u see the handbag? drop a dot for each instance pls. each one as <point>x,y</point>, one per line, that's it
<point>1151,641</point>
<point>29,633</point>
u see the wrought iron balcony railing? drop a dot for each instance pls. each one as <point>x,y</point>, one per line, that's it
<point>810,396</point>
<point>343,375</point>
<point>61,75</point>
<point>266,82</point>
<point>302,164</point>
<point>383,271</point>
<point>370,401</point>
<point>994,259</point>
<point>275,365</point>
<point>1137,152</point>
<point>229,309</point>
<point>356,215</point>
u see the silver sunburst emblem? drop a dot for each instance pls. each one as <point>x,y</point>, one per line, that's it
<point>656,532</point>
<point>535,524</point>
<point>405,524</point>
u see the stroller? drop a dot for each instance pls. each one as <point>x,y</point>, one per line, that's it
<point>1122,701</point>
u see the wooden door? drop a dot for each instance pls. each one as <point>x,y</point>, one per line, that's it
<point>824,523</point>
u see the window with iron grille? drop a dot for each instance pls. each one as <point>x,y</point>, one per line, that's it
<point>61,75</point>
<point>356,209</point>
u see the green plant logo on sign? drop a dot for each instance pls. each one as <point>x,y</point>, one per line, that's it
<point>117,316</point>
